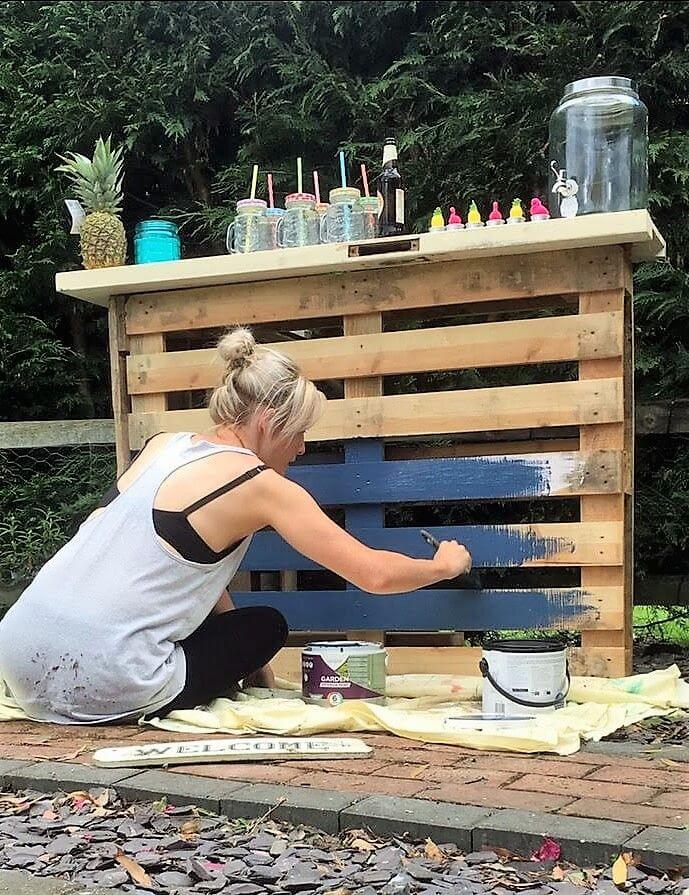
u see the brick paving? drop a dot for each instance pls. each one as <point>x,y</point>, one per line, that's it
<point>618,787</point>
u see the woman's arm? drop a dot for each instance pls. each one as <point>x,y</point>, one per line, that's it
<point>292,512</point>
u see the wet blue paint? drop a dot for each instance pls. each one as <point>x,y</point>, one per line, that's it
<point>443,609</point>
<point>493,546</point>
<point>426,481</point>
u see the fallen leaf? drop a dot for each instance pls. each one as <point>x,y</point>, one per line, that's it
<point>433,852</point>
<point>558,873</point>
<point>362,845</point>
<point>103,799</point>
<point>619,871</point>
<point>549,851</point>
<point>136,871</point>
<point>576,877</point>
<point>50,815</point>
<point>189,830</point>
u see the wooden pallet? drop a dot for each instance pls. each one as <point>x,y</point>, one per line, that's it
<point>398,445</point>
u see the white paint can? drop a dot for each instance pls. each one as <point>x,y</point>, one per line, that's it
<point>335,670</point>
<point>524,677</point>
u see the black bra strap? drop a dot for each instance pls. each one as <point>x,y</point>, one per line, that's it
<point>223,489</point>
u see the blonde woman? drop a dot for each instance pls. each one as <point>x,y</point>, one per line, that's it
<point>132,616</point>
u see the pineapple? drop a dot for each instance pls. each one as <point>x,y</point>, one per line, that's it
<point>98,186</point>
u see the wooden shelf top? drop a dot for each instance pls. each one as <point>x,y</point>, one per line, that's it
<point>630,228</point>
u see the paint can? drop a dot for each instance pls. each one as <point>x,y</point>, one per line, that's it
<point>524,677</point>
<point>336,670</point>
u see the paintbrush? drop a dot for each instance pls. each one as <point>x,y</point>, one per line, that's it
<point>470,581</point>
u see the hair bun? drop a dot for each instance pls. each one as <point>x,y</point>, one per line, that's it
<point>237,348</point>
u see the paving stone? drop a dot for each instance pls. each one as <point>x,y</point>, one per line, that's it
<point>172,879</point>
<point>583,840</point>
<point>661,847</point>
<point>7,768</point>
<point>388,815</point>
<point>14,882</point>
<point>178,790</point>
<point>297,805</point>
<point>53,776</point>
<point>640,750</point>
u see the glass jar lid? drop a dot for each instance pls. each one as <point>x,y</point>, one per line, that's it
<point>300,199</point>
<point>607,82</point>
<point>275,212</point>
<point>370,203</point>
<point>251,206</point>
<point>344,194</point>
<point>156,225</point>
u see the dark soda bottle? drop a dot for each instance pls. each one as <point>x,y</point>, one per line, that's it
<point>392,193</point>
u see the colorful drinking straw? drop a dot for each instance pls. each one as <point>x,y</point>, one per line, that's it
<point>365,179</point>
<point>271,203</point>
<point>254,178</point>
<point>299,176</point>
<point>343,172</point>
<point>316,188</point>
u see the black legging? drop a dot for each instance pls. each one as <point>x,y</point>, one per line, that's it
<point>227,648</point>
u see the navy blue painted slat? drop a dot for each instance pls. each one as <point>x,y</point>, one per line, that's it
<point>440,610</point>
<point>427,481</point>
<point>490,546</point>
<point>359,518</point>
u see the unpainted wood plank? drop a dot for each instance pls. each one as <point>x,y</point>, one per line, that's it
<point>56,433</point>
<point>461,661</point>
<point>613,436</point>
<point>366,352</point>
<point>118,348</point>
<point>149,345</point>
<point>436,413</point>
<point>384,289</point>
<point>633,229</point>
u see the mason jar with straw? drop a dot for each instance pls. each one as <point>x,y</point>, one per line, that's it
<point>343,221</point>
<point>370,210</point>
<point>321,207</point>
<point>247,232</point>
<point>300,223</point>
<point>273,217</point>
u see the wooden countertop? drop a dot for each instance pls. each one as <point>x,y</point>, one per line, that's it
<point>631,228</point>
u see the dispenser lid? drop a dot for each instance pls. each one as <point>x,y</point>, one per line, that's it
<point>606,82</point>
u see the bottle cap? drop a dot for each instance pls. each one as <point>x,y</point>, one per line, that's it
<point>538,211</point>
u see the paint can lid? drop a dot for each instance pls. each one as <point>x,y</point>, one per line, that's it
<point>524,646</point>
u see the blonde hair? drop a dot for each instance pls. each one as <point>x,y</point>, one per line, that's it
<point>259,377</point>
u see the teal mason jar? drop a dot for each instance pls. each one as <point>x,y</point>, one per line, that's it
<point>156,240</point>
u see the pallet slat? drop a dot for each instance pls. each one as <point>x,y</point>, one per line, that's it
<point>474,410</point>
<point>465,610</point>
<point>491,546</point>
<point>388,288</point>
<point>512,342</point>
<point>461,478</point>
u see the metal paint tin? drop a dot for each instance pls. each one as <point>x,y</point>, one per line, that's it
<point>335,670</point>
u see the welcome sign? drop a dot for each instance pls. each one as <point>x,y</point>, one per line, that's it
<point>257,749</point>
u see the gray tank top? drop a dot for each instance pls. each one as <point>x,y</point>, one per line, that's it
<point>95,636</point>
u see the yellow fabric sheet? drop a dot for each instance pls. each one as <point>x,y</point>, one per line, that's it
<point>418,706</point>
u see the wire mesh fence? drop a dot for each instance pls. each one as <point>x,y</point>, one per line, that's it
<point>45,495</point>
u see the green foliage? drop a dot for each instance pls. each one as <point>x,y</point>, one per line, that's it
<point>46,494</point>
<point>196,92</point>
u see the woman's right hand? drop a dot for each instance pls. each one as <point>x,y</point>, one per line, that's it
<point>453,559</point>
